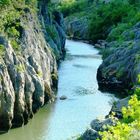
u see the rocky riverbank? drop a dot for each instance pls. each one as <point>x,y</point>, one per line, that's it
<point>119,46</point>
<point>100,125</point>
<point>28,63</point>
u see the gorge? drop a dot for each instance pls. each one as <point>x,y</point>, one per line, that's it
<point>68,83</point>
<point>77,80</point>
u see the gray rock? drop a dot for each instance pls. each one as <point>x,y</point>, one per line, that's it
<point>100,125</point>
<point>117,107</point>
<point>90,134</point>
<point>28,76</point>
<point>77,28</point>
<point>63,97</point>
<point>121,60</point>
<point>98,46</point>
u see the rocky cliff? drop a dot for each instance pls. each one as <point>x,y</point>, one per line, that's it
<point>28,62</point>
<point>121,66</point>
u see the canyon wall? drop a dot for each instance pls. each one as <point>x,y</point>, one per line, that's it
<point>28,65</point>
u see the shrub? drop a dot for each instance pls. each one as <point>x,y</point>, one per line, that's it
<point>68,7</point>
<point>129,126</point>
<point>4,2</point>
<point>12,32</point>
<point>134,1</point>
<point>116,32</point>
<point>106,17</point>
<point>2,50</point>
<point>15,45</point>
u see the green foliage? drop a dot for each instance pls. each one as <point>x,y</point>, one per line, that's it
<point>4,2</point>
<point>105,52</point>
<point>15,45</point>
<point>39,74</point>
<point>134,1</point>
<point>68,7</point>
<point>128,127</point>
<point>107,17</point>
<point>116,32</point>
<point>2,50</point>
<point>20,68</point>
<point>11,13</point>
<point>12,32</point>
<point>51,31</point>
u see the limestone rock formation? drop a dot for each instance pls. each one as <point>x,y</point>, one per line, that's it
<point>28,76</point>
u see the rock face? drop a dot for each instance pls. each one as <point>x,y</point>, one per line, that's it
<point>77,28</point>
<point>28,78</point>
<point>120,69</point>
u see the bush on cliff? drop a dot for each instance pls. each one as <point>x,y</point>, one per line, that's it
<point>68,7</point>
<point>108,16</point>
<point>4,2</point>
<point>12,11</point>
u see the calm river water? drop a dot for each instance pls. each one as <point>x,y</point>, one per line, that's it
<point>77,80</point>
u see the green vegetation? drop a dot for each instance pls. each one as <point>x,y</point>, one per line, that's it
<point>113,22</point>
<point>2,50</point>
<point>51,31</point>
<point>10,24</point>
<point>106,17</point>
<point>39,74</point>
<point>68,7</point>
<point>128,127</point>
<point>15,45</point>
<point>105,21</point>
<point>4,2</point>
<point>115,17</point>
<point>20,68</point>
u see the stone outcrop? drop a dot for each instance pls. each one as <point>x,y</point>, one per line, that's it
<point>77,28</point>
<point>121,66</point>
<point>28,76</point>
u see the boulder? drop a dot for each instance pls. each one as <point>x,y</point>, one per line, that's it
<point>100,125</point>
<point>90,134</point>
<point>63,97</point>
<point>117,107</point>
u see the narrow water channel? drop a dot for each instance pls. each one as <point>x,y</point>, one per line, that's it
<point>77,80</point>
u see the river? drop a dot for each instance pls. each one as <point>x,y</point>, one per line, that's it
<point>77,80</point>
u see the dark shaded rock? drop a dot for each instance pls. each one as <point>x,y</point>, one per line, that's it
<point>119,64</point>
<point>120,68</point>
<point>77,28</point>
<point>90,134</point>
<point>63,97</point>
<point>99,125</point>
